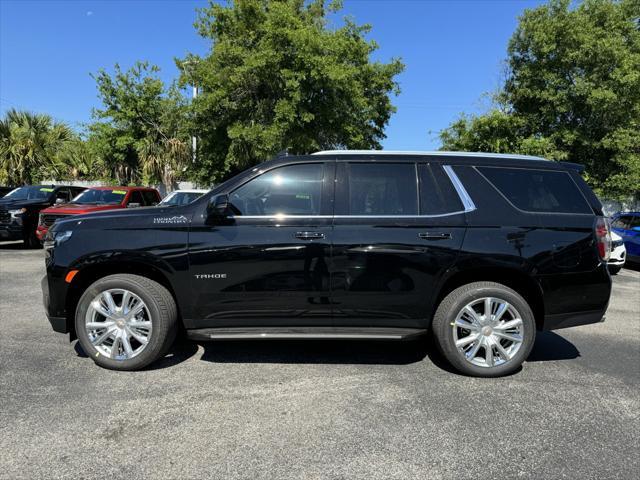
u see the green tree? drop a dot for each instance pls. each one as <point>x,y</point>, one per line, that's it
<point>138,135</point>
<point>277,77</point>
<point>75,160</point>
<point>29,144</point>
<point>572,92</point>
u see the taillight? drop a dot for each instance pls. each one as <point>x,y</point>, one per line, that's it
<point>603,238</point>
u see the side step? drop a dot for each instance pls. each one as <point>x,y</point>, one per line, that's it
<point>304,333</point>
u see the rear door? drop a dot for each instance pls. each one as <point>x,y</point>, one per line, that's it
<point>268,263</point>
<point>398,227</point>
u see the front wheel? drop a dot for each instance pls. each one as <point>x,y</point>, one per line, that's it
<point>484,329</point>
<point>125,322</point>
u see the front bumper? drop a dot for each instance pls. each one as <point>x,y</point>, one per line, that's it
<point>57,318</point>
<point>12,231</point>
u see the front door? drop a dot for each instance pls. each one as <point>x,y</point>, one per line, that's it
<point>267,265</point>
<point>398,227</point>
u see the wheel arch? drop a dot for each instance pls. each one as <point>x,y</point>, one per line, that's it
<point>93,272</point>
<point>513,278</point>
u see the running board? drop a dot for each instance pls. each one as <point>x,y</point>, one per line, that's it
<point>304,333</point>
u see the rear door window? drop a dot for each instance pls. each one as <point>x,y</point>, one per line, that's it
<point>542,191</point>
<point>380,189</point>
<point>437,194</point>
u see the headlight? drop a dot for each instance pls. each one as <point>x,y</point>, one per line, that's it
<point>62,236</point>
<point>17,213</point>
<point>53,239</point>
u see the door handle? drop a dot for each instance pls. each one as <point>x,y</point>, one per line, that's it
<point>435,236</point>
<point>309,235</point>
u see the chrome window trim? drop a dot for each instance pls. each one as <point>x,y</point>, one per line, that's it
<point>457,184</point>
<point>285,217</point>
<point>462,192</point>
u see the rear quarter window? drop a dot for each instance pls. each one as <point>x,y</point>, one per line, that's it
<point>437,194</point>
<point>542,191</point>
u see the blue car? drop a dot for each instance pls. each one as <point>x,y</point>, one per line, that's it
<point>627,225</point>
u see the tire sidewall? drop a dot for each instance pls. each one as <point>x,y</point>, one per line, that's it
<point>445,331</point>
<point>153,348</point>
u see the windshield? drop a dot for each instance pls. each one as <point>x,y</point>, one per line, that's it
<point>30,193</point>
<point>101,197</point>
<point>181,198</point>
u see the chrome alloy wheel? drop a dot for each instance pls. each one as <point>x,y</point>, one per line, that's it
<point>488,332</point>
<point>118,324</point>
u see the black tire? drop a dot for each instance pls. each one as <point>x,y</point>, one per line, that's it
<point>453,303</point>
<point>161,306</point>
<point>615,269</point>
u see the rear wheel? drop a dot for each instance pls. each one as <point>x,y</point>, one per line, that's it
<point>125,322</point>
<point>484,329</point>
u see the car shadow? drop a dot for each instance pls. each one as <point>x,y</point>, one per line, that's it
<point>348,352</point>
<point>549,346</point>
<point>180,351</point>
<point>19,245</point>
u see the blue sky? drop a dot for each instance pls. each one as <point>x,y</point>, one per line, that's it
<point>454,52</point>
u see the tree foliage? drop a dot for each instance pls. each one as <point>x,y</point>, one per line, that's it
<point>139,134</point>
<point>278,78</point>
<point>572,92</point>
<point>29,144</point>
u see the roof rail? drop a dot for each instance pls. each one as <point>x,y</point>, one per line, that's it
<point>430,153</point>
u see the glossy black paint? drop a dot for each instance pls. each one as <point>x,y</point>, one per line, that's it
<point>25,224</point>
<point>336,270</point>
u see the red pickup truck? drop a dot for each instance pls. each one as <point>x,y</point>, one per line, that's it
<point>97,199</point>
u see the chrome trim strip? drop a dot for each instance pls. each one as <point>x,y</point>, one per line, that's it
<point>286,217</point>
<point>462,192</point>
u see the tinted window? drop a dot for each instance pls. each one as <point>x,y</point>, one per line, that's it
<point>290,190</point>
<point>437,195</point>
<point>101,196</point>
<point>136,197</point>
<point>30,193</point>
<point>181,198</point>
<point>538,190</point>
<point>622,222</point>
<point>382,189</point>
<point>150,198</point>
<point>63,194</point>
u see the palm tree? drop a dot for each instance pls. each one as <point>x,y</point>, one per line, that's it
<point>163,160</point>
<point>28,145</point>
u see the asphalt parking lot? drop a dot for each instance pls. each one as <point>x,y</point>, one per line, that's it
<point>314,410</point>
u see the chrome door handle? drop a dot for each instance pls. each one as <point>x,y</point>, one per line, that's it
<point>435,236</point>
<point>309,235</point>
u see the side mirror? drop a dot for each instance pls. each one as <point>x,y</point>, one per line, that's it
<point>133,205</point>
<point>60,200</point>
<point>218,207</point>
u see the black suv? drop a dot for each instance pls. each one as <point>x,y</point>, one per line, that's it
<point>19,210</point>
<point>480,250</point>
